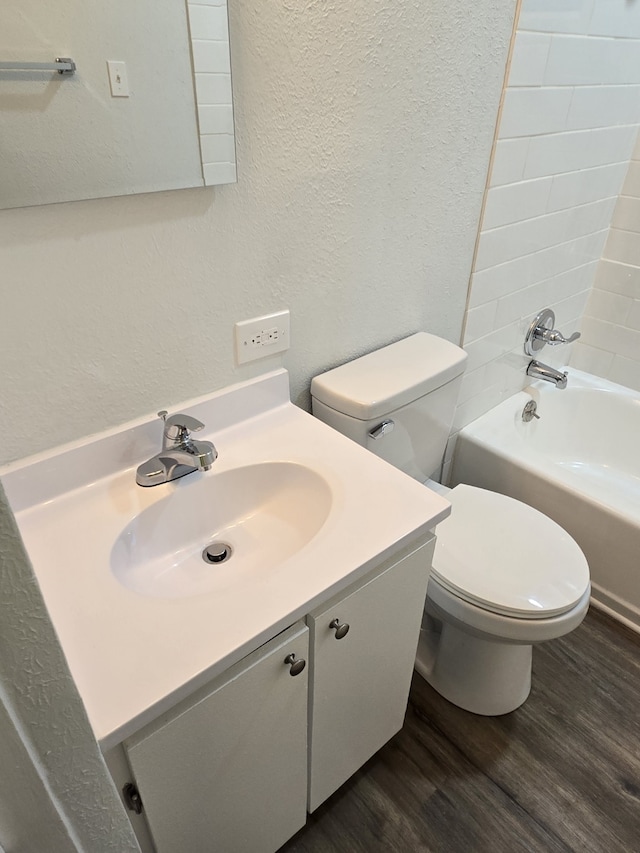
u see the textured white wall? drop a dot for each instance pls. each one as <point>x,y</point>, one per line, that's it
<point>55,792</point>
<point>569,119</point>
<point>363,138</point>
<point>610,344</point>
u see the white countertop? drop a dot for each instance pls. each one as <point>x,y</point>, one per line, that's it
<point>133,656</point>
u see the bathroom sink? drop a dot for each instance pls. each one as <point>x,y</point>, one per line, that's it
<point>260,514</point>
<point>142,618</point>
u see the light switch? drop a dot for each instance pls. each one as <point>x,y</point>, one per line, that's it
<point>118,79</point>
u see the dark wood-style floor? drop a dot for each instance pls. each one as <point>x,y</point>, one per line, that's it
<point>562,773</point>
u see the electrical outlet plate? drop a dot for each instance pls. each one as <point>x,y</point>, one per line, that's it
<point>262,336</point>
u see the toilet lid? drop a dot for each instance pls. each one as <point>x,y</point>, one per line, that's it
<point>507,557</point>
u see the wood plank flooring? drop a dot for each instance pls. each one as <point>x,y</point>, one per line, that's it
<point>562,773</point>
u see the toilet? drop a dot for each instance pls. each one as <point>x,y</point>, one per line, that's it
<point>504,575</point>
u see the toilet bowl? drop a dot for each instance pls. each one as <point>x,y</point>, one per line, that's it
<point>494,591</point>
<point>504,575</point>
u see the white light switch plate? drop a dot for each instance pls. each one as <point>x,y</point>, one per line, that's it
<point>118,79</point>
<point>262,336</point>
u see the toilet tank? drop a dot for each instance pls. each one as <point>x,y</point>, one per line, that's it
<point>413,383</point>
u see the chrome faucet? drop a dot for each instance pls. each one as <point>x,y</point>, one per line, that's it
<point>180,454</point>
<point>542,371</point>
<point>540,333</point>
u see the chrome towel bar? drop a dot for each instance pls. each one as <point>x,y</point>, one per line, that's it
<point>63,65</point>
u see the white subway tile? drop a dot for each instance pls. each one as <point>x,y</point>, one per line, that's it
<point>556,153</point>
<point>533,235</point>
<point>625,371</point>
<point>492,283</point>
<point>473,382</point>
<point>627,343</point>
<point>627,214</point>
<point>589,218</point>
<point>219,173</point>
<point>479,321</point>
<point>633,318</point>
<point>618,278</point>
<point>631,184</point>
<point>521,303</point>
<point>567,152</point>
<point>556,16</point>
<point>608,336</point>
<point>213,89</point>
<point>603,106</point>
<point>569,312</point>
<point>524,238</point>
<point>208,22</point>
<point>508,161</point>
<point>211,57</point>
<point>498,281</point>
<point>610,145</point>
<point>574,61</point>
<point>534,111</point>
<point>571,282</point>
<point>575,188</point>
<point>611,307</point>
<point>529,59</point>
<point>590,359</point>
<point>215,119</point>
<point>623,246</point>
<point>210,3</point>
<point>581,61</point>
<point>492,346</point>
<point>217,148</point>
<point>615,18</point>
<point>515,202</point>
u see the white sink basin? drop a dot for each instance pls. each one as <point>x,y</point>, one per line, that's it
<point>265,513</point>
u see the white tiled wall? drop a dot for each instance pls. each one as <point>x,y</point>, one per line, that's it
<point>610,343</point>
<point>568,126</point>
<point>210,49</point>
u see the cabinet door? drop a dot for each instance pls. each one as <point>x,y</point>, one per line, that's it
<point>360,683</point>
<point>229,772</point>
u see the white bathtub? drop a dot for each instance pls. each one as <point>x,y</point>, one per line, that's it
<point>579,464</point>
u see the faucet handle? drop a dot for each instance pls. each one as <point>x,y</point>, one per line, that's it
<point>541,331</point>
<point>554,337</point>
<point>177,427</point>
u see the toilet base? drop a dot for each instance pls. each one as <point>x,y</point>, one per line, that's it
<point>481,676</point>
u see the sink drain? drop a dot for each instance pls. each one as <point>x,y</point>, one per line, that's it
<point>217,552</point>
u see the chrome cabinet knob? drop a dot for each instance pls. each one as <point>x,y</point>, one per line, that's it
<point>296,664</point>
<point>341,629</point>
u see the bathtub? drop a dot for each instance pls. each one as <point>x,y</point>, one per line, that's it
<point>580,464</point>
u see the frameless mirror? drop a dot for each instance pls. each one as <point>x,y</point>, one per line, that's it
<point>147,106</point>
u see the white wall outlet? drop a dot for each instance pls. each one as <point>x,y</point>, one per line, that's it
<point>118,79</point>
<point>262,336</point>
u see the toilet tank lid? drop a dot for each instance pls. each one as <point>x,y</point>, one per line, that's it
<point>389,378</point>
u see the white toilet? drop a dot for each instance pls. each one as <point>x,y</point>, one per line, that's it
<point>504,575</point>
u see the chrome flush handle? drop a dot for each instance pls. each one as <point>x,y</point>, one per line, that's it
<point>382,429</point>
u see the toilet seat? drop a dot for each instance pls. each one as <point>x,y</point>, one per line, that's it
<point>507,558</point>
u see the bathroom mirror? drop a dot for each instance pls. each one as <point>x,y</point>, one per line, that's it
<point>147,107</point>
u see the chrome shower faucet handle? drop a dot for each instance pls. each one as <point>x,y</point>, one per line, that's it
<point>541,332</point>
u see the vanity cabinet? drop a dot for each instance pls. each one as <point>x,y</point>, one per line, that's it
<point>235,767</point>
<point>228,772</point>
<point>360,681</point>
